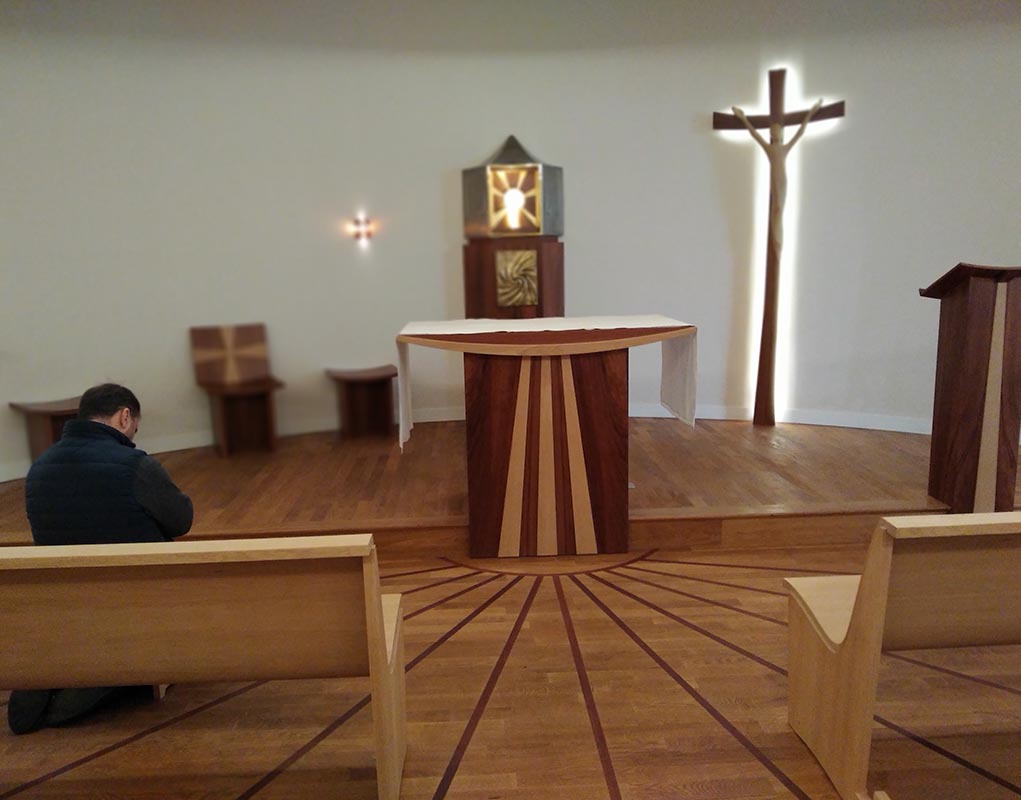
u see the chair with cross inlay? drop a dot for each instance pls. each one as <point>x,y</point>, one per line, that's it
<point>232,365</point>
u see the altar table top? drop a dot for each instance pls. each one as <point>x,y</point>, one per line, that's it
<point>558,336</point>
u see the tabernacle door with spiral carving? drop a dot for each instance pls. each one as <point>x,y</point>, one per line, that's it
<point>519,277</point>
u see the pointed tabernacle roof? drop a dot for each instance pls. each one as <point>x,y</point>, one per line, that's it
<point>512,152</point>
<point>483,186</point>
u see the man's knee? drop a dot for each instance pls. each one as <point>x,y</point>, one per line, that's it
<point>30,710</point>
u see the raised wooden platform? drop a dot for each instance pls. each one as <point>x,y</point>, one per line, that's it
<point>718,484</point>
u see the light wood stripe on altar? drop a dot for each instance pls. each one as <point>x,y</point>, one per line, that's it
<point>584,528</point>
<point>989,442</point>
<point>546,532</point>
<point>510,529</point>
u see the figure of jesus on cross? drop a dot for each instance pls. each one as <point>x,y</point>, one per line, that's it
<point>776,151</point>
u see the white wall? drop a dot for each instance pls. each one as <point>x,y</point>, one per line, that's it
<point>168,164</point>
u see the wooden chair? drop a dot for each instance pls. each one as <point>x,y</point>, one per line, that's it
<point>232,365</point>
<point>180,612</point>
<point>929,581</point>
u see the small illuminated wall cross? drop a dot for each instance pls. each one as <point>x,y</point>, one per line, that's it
<point>776,150</point>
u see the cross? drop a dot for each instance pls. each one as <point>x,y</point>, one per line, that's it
<point>227,354</point>
<point>361,227</point>
<point>776,150</point>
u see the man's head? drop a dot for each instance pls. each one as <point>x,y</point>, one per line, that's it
<point>112,405</point>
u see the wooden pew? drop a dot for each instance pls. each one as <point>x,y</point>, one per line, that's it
<point>929,581</point>
<point>180,612</point>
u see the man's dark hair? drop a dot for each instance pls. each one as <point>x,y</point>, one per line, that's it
<point>106,400</point>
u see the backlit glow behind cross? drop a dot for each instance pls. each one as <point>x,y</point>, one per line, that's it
<point>776,151</point>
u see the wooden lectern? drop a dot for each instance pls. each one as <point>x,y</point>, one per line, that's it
<point>977,408</point>
<point>547,426</point>
<point>232,365</point>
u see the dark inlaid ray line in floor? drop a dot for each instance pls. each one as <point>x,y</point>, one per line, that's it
<point>699,598</point>
<point>790,570</point>
<point>130,740</point>
<point>705,580</point>
<point>458,593</point>
<point>954,673</point>
<point>279,769</point>
<point>442,582</point>
<point>978,770</point>
<point>695,695</point>
<point>689,624</point>
<point>418,572</point>
<point>609,775</point>
<point>487,692</point>
<point>471,615</point>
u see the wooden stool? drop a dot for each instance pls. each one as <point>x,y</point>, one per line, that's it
<point>46,422</point>
<point>365,401</point>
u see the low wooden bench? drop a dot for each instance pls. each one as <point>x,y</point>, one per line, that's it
<point>365,404</point>
<point>180,612</point>
<point>45,422</point>
<point>929,581</point>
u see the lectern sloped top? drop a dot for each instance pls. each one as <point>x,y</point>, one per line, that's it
<point>962,272</point>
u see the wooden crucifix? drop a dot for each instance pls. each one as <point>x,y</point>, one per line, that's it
<point>776,150</point>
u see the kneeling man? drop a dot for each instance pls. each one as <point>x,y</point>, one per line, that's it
<point>95,487</point>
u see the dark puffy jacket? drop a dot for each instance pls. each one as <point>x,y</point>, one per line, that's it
<point>95,487</point>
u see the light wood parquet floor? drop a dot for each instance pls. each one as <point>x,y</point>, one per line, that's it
<point>654,674</point>
<point>716,468</point>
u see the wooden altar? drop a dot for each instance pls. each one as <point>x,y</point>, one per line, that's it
<point>547,424</point>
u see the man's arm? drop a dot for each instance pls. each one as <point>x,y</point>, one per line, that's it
<point>166,504</point>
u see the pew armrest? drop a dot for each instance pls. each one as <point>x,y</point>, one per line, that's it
<point>827,602</point>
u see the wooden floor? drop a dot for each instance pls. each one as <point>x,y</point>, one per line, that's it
<point>719,482</point>
<point>654,674</point>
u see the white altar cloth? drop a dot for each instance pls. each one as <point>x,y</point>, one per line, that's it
<point>677,376</point>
